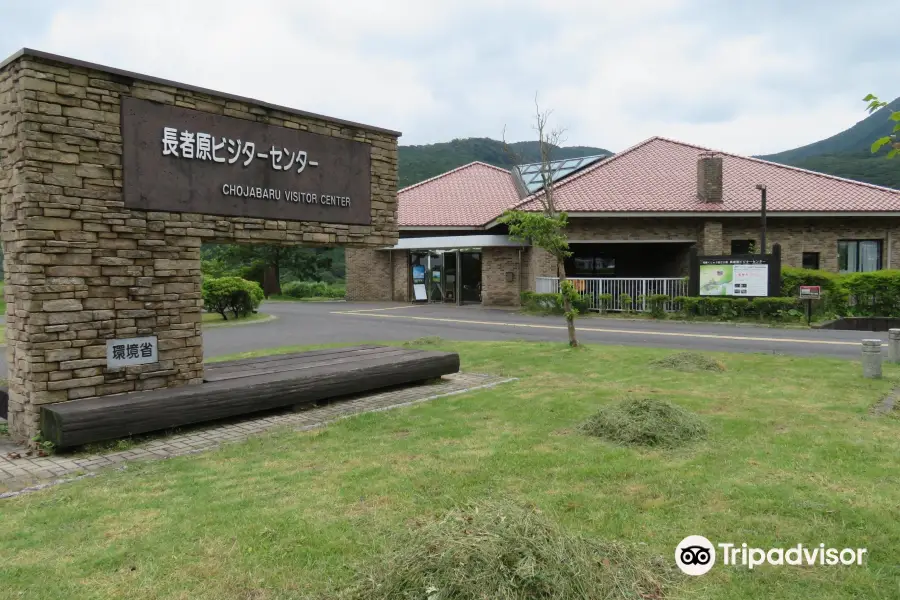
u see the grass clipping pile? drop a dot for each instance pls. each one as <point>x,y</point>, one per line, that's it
<point>645,422</point>
<point>504,552</point>
<point>690,362</point>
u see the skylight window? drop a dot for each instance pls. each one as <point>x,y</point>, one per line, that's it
<point>531,178</point>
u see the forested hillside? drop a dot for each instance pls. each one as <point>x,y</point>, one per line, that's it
<point>847,154</point>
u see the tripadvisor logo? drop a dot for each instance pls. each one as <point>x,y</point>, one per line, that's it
<point>696,555</point>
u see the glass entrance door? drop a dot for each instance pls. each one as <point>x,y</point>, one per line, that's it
<point>450,281</point>
<point>470,276</point>
<point>436,277</point>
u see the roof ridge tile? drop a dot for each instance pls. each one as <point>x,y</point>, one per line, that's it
<point>779,165</point>
<point>451,171</point>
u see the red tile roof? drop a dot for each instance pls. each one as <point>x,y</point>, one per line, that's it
<point>660,175</point>
<point>469,196</point>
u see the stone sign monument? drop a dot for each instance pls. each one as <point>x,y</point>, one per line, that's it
<point>109,183</point>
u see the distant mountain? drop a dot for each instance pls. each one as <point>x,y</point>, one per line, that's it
<point>418,163</point>
<point>848,154</point>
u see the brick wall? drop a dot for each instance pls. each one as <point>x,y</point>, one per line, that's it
<point>500,277</point>
<point>368,274</point>
<point>81,269</point>
<point>401,276</point>
<point>711,238</point>
<point>631,229</point>
<point>797,235</point>
<point>537,262</point>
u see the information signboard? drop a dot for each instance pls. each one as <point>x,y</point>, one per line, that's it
<point>734,280</point>
<point>810,292</point>
<point>736,275</point>
<point>418,275</point>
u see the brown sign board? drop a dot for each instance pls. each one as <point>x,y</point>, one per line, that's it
<point>183,160</point>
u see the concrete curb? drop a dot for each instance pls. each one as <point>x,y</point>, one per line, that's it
<point>411,403</point>
<point>115,461</point>
<point>226,324</point>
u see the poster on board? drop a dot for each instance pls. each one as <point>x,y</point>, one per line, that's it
<point>418,276</point>
<point>749,280</point>
<point>735,275</point>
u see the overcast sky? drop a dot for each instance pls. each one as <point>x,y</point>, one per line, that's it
<point>747,76</point>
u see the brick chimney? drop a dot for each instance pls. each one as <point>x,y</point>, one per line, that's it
<point>709,177</point>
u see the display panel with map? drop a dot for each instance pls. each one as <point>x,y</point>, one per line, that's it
<point>736,275</point>
<point>749,280</point>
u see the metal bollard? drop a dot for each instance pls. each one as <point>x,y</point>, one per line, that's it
<point>894,346</point>
<point>871,359</point>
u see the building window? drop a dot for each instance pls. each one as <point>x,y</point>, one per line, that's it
<point>594,266</point>
<point>858,256</point>
<point>810,260</point>
<point>743,246</point>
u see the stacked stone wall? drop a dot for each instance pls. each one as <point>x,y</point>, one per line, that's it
<point>81,268</point>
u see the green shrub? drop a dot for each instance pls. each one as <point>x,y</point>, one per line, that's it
<point>792,278</point>
<point>687,306</point>
<point>604,302</point>
<point>645,422</point>
<point>625,303</point>
<point>835,297</point>
<point>656,303</point>
<point>313,289</point>
<point>778,309</point>
<point>741,306</point>
<point>231,294</point>
<point>781,309</point>
<point>708,305</point>
<point>551,304</point>
<point>873,294</point>
<point>503,550</point>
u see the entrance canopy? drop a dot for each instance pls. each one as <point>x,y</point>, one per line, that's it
<point>453,242</point>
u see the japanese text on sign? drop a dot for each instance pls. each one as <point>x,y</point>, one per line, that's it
<point>203,146</point>
<point>133,351</point>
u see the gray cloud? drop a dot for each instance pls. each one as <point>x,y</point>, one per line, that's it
<point>751,77</point>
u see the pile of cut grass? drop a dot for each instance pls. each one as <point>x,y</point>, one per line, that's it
<point>646,422</point>
<point>689,362</point>
<point>503,551</point>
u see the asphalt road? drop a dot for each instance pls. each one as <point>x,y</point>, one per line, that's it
<point>315,323</point>
<point>302,323</point>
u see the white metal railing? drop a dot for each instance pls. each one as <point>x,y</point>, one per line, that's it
<point>606,292</point>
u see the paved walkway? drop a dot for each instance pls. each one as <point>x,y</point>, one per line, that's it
<point>30,472</point>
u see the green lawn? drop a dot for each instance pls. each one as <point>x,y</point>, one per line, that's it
<point>793,456</point>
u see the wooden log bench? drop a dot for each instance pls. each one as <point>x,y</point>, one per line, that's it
<point>243,386</point>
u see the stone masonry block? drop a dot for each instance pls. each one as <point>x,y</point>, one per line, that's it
<point>61,305</point>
